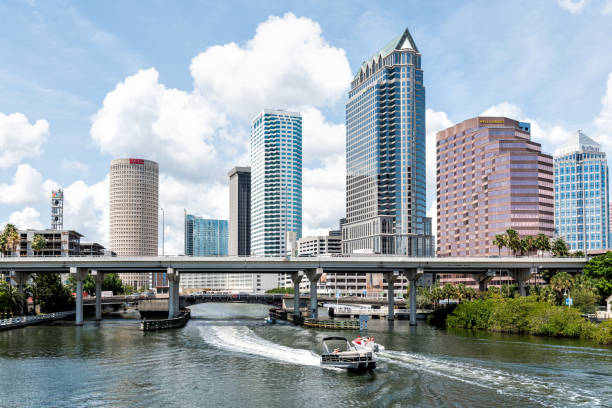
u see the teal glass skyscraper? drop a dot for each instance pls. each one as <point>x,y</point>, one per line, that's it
<point>205,237</point>
<point>582,210</point>
<point>385,155</point>
<point>276,181</point>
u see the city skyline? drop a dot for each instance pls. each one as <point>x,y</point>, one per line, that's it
<point>60,132</point>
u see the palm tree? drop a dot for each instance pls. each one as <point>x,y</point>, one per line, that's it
<point>11,237</point>
<point>513,240</point>
<point>500,241</point>
<point>542,242</point>
<point>559,247</point>
<point>10,298</point>
<point>561,282</point>
<point>38,243</point>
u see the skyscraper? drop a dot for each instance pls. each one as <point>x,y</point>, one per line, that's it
<point>582,205</point>
<point>134,206</point>
<point>240,211</point>
<point>385,155</point>
<point>491,177</point>
<point>276,181</point>
<point>205,237</point>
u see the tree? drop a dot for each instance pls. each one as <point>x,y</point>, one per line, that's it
<point>10,238</point>
<point>513,240</point>
<point>542,242</point>
<point>10,299</point>
<point>561,282</point>
<point>38,243</point>
<point>578,254</point>
<point>599,269</point>
<point>52,294</point>
<point>500,241</point>
<point>559,247</point>
<point>584,294</point>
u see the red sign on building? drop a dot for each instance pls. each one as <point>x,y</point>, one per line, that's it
<point>136,161</point>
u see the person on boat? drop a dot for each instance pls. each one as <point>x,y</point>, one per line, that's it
<point>336,351</point>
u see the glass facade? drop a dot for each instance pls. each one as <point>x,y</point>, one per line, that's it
<point>581,195</point>
<point>205,237</point>
<point>385,155</point>
<point>276,181</point>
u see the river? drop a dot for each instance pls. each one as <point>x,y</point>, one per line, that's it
<point>226,356</point>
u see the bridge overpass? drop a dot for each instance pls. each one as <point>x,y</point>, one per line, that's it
<point>483,269</point>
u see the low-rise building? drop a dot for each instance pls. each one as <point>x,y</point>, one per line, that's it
<point>58,242</point>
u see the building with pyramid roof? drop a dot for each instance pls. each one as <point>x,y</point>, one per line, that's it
<point>385,155</point>
<point>582,207</point>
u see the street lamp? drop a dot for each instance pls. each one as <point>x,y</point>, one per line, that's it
<point>163,227</point>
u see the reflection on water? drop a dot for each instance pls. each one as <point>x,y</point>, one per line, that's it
<point>226,356</point>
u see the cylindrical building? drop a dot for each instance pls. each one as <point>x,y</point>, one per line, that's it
<point>134,207</point>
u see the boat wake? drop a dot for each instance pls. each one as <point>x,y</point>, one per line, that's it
<point>241,339</point>
<point>540,390</point>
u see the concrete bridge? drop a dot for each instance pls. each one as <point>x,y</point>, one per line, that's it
<point>520,268</point>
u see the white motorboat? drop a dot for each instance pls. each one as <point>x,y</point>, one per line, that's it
<point>367,344</point>
<point>339,353</point>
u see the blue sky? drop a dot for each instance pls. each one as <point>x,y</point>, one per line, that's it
<point>162,80</point>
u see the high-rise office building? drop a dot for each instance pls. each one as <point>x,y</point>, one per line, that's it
<point>240,211</point>
<point>276,181</point>
<point>385,155</point>
<point>582,205</point>
<point>490,177</point>
<point>134,207</point>
<point>205,237</point>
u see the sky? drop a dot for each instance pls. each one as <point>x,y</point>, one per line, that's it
<point>82,83</point>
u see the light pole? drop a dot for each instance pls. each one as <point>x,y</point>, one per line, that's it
<point>163,227</point>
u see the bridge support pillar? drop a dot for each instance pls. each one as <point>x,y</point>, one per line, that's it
<point>313,276</point>
<point>99,279</point>
<point>20,279</point>
<point>484,279</point>
<point>296,278</point>
<point>391,277</point>
<point>173,292</point>
<point>522,276</point>
<point>413,276</point>
<point>80,274</point>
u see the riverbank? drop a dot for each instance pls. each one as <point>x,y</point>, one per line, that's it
<point>524,315</point>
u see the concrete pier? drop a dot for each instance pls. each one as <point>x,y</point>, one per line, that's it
<point>80,274</point>
<point>391,277</point>
<point>173,292</point>
<point>99,279</point>
<point>413,276</point>
<point>522,276</point>
<point>313,276</point>
<point>484,279</point>
<point>296,278</point>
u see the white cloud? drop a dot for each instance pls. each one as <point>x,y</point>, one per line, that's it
<point>607,7</point>
<point>19,139</point>
<point>143,118</point>
<point>323,196</point>
<point>28,218</point>
<point>573,6</point>
<point>86,210</point>
<point>287,64</point>
<point>28,187</point>
<point>321,139</point>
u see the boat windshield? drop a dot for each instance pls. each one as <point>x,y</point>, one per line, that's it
<point>337,346</point>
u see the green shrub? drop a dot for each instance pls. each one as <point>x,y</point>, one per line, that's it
<point>471,315</point>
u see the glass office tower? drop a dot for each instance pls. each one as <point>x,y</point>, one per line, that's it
<point>385,155</point>
<point>205,237</point>
<point>276,181</point>
<point>582,209</point>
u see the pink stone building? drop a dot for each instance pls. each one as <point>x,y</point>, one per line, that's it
<point>490,177</point>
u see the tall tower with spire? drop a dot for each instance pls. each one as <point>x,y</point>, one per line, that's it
<point>582,204</point>
<point>57,209</point>
<point>385,155</point>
